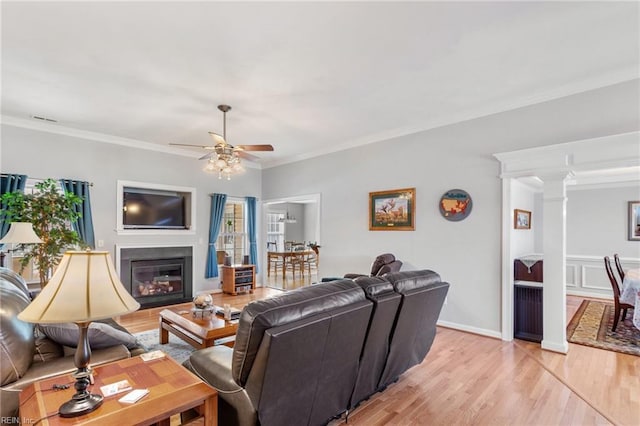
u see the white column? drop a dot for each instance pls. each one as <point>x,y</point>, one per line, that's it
<point>554,245</point>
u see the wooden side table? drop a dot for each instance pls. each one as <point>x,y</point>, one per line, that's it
<point>172,390</point>
<point>238,278</point>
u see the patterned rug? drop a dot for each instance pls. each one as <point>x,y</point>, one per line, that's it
<point>176,348</point>
<point>591,326</point>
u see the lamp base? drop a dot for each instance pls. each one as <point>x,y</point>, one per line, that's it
<point>79,406</point>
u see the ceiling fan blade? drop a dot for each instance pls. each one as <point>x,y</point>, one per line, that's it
<point>195,146</point>
<point>207,156</point>
<point>217,138</point>
<point>246,156</point>
<point>264,147</point>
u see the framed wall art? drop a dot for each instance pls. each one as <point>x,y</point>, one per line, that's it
<point>634,221</point>
<point>455,205</point>
<point>393,210</point>
<point>521,219</point>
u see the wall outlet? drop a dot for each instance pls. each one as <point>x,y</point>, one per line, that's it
<point>100,243</point>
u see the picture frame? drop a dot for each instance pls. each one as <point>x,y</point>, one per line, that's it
<point>521,219</point>
<point>634,221</point>
<point>392,210</point>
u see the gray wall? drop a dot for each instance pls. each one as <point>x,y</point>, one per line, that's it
<point>294,231</point>
<point>43,155</point>
<point>597,222</point>
<point>467,253</point>
<point>310,222</point>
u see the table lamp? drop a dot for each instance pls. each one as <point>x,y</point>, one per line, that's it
<point>19,233</point>
<point>85,287</point>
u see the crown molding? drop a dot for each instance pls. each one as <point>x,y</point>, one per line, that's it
<point>620,76</point>
<point>103,138</point>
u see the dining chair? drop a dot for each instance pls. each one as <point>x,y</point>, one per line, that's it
<point>274,260</point>
<point>616,259</point>
<point>619,306</point>
<point>296,258</point>
<point>311,262</point>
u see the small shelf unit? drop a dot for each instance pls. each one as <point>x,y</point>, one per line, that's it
<point>238,279</point>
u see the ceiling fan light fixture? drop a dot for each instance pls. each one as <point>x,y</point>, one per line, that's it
<point>225,158</point>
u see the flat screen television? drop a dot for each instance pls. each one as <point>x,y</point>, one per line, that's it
<point>147,209</point>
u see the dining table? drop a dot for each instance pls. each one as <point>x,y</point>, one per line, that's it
<point>630,293</point>
<point>286,256</point>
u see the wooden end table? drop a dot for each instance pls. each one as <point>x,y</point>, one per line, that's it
<point>172,390</point>
<point>200,331</point>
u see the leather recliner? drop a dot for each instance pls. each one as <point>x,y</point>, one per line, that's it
<point>376,348</point>
<point>383,264</point>
<point>295,359</point>
<point>307,356</point>
<point>414,330</point>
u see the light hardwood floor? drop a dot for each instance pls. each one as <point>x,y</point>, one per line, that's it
<point>467,379</point>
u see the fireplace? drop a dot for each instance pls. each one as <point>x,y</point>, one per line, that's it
<point>157,276</point>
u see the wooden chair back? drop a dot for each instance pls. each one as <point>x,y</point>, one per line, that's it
<point>616,259</point>
<point>612,279</point>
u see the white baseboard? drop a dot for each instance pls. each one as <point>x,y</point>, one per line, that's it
<point>591,294</point>
<point>561,347</point>
<point>469,329</point>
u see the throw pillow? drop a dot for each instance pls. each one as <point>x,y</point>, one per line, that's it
<point>100,335</point>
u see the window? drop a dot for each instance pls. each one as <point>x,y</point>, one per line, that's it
<point>233,237</point>
<point>275,230</point>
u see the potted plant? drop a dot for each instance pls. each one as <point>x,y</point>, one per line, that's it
<point>51,212</point>
<point>315,247</point>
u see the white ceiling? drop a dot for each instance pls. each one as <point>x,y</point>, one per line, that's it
<point>308,78</point>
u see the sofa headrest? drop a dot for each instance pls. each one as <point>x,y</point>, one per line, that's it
<point>407,281</point>
<point>374,286</point>
<point>261,315</point>
<point>17,342</point>
<point>380,261</point>
<point>390,267</point>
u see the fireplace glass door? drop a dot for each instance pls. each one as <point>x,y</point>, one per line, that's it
<point>157,277</point>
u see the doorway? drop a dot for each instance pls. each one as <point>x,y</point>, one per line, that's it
<point>291,223</point>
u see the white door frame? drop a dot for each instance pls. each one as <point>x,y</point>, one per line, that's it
<point>582,162</point>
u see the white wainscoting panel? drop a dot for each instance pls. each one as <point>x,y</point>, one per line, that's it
<point>572,275</point>
<point>586,275</point>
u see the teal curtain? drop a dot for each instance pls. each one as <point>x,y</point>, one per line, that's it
<point>84,225</point>
<point>9,183</point>
<point>217,212</point>
<point>251,216</point>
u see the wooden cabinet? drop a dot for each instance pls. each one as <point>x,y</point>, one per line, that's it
<point>238,279</point>
<point>523,273</point>
<point>527,312</point>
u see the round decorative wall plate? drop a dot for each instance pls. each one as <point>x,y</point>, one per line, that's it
<point>455,205</point>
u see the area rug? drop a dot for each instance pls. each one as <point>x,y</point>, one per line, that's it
<point>591,326</point>
<point>176,348</point>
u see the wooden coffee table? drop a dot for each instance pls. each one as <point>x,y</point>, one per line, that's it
<point>200,331</point>
<point>172,390</point>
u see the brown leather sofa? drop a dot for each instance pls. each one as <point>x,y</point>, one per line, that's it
<point>309,355</point>
<point>27,356</point>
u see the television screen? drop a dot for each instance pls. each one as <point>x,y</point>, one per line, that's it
<point>147,209</point>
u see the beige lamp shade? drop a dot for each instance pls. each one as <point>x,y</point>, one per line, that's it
<point>85,287</point>
<point>21,233</point>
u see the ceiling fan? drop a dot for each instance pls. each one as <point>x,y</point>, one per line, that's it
<point>224,157</point>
